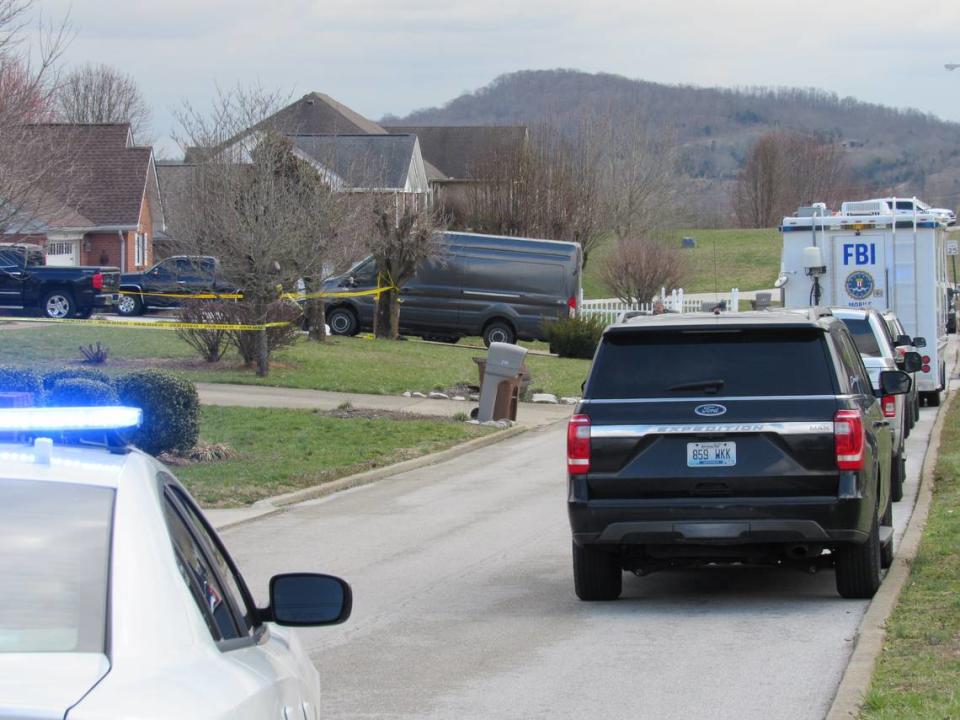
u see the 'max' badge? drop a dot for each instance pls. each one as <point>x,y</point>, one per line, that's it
<point>710,410</point>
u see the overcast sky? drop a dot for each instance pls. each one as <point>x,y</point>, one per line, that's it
<point>380,56</point>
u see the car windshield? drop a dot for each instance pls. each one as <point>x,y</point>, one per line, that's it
<point>680,364</point>
<point>863,336</point>
<point>54,565</point>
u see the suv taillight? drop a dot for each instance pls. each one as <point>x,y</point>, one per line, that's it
<point>578,445</point>
<point>97,281</point>
<point>572,306</point>
<point>889,405</point>
<point>849,439</point>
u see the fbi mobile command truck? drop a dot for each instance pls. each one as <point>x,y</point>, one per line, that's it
<point>868,256</point>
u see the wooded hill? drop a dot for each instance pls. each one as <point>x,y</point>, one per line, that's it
<point>890,150</point>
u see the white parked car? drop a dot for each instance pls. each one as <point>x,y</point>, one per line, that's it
<point>119,600</point>
<point>877,349</point>
<point>911,206</point>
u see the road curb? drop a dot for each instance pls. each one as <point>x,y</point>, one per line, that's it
<point>853,687</point>
<point>279,503</point>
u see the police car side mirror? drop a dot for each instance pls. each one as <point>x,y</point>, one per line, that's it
<point>894,382</point>
<point>902,341</point>
<point>912,362</point>
<point>308,599</point>
<point>919,342</point>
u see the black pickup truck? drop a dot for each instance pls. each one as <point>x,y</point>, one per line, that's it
<point>167,283</point>
<point>27,283</point>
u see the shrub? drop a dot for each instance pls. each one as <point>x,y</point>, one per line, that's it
<point>210,343</point>
<point>575,337</point>
<point>94,354</point>
<point>80,392</point>
<point>245,341</point>
<point>17,379</point>
<point>54,376</point>
<point>171,410</point>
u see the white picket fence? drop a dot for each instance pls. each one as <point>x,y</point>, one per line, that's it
<point>610,309</point>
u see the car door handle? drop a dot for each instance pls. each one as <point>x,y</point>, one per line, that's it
<point>881,423</point>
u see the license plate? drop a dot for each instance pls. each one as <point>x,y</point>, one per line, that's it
<point>711,454</point>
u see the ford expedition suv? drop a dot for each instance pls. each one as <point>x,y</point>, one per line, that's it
<point>740,438</point>
<point>28,283</point>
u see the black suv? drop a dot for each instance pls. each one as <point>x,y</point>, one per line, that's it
<point>746,437</point>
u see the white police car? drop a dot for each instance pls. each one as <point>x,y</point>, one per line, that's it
<point>119,600</point>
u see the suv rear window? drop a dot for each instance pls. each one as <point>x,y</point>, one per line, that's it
<point>678,364</point>
<point>863,336</point>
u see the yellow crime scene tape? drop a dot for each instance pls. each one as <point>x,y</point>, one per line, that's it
<point>156,325</point>
<point>177,325</point>
<point>239,296</point>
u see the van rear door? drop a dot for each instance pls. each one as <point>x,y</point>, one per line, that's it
<point>860,278</point>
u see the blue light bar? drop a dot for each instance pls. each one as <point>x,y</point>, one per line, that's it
<point>60,419</point>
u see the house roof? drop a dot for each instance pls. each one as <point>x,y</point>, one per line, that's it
<point>460,151</point>
<point>110,174</point>
<point>363,161</point>
<point>317,114</point>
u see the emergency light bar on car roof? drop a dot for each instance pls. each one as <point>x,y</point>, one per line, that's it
<point>65,419</point>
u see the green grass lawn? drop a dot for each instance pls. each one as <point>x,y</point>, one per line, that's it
<point>724,259</point>
<point>354,365</point>
<point>918,674</point>
<point>283,450</point>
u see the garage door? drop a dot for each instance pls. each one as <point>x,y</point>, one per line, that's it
<point>63,252</point>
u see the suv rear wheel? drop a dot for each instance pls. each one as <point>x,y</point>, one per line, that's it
<point>886,550</point>
<point>596,574</point>
<point>858,566</point>
<point>898,469</point>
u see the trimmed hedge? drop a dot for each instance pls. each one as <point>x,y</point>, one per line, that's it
<point>54,376</point>
<point>171,410</point>
<point>80,392</point>
<point>575,337</point>
<point>17,379</point>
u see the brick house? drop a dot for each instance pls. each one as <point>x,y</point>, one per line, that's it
<point>107,213</point>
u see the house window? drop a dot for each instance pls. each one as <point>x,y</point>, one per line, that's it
<point>140,250</point>
<point>60,248</point>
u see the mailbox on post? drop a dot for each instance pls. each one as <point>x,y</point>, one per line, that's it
<point>500,391</point>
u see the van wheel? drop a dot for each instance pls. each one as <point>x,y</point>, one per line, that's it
<point>932,399</point>
<point>499,331</point>
<point>898,469</point>
<point>596,574</point>
<point>343,321</point>
<point>858,566</point>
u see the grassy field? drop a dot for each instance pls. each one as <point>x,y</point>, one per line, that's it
<point>283,450</point>
<point>355,365</point>
<point>723,259</point>
<point>918,675</point>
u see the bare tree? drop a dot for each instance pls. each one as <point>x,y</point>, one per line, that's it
<point>785,169</point>
<point>36,174</point>
<point>640,180</point>
<point>260,208</point>
<point>102,94</point>
<point>546,188</point>
<point>404,237</point>
<point>638,268</point>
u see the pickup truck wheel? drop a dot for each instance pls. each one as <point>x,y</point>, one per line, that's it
<point>57,304</point>
<point>129,305</point>
<point>343,321</point>
<point>596,574</point>
<point>898,468</point>
<point>858,566</point>
<point>499,331</point>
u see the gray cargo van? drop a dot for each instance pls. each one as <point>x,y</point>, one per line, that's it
<point>500,288</point>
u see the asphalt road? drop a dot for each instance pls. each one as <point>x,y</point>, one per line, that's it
<point>464,605</point>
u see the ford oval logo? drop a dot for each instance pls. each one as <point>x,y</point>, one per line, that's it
<point>710,410</point>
